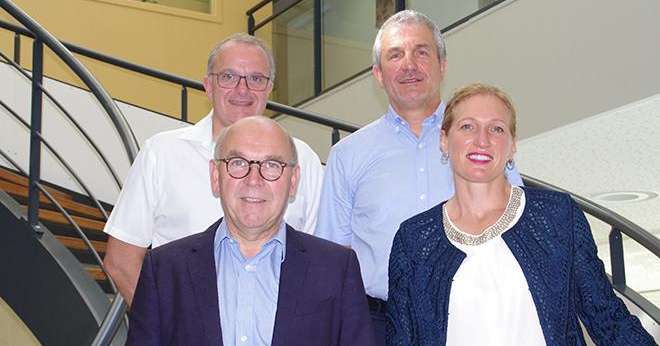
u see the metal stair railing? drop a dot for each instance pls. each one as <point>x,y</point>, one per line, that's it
<point>73,121</point>
<point>68,218</point>
<point>185,84</point>
<point>618,225</point>
<point>317,37</point>
<point>59,158</point>
<point>41,38</point>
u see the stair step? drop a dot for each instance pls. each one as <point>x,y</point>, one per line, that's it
<point>71,206</point>
<point>95,272</point>
<point>18,179</point>
<point>89,218</point>
<point>59,219</point>
<point>79,245</point>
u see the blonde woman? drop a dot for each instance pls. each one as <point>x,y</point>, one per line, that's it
<point>498,264</point>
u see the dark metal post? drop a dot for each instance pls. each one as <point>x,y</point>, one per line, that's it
<point>184,103</point>
<point>318,48</point>
<point>17,48</point>
<point>251,24</point>
<point>399,5</point>
<point>616,258</point>
<point>335,135</point>
<point>35,125</point>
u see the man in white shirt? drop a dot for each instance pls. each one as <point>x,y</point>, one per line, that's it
<point>167,195</point>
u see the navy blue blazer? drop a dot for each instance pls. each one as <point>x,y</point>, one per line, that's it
<point>321,297</point>
<point>552,243</point>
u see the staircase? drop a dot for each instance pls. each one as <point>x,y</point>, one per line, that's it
<point>86,214</point>
<point>82,211</point>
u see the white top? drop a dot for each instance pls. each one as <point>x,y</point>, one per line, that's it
<point>490,302</point>
<point>167,193</point>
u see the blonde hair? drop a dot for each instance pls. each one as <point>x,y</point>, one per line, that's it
<point>475,89</point>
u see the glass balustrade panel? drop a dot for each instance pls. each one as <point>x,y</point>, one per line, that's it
<point>349,29</point>
<point>292,40</point>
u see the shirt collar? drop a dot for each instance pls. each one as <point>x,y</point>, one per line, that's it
<point>222,235</point>
<point>201,132</point>
<point>435,119</point>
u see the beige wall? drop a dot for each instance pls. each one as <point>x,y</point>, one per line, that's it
<point>171,40</point>
<point>12,329</point>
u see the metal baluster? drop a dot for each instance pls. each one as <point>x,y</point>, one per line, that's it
<point>318,49</point>
<point>616,258</point>
<point>399,5</point>
<point>184,103</point>
<point>35,141</point>
<point>335,135</point>
<point>17,48</point>
<point>250,28</point>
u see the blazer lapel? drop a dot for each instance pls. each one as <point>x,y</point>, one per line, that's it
<point>292,277</point>
<point>201,266</point>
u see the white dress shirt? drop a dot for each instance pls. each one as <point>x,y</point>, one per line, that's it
<point>167,193</point>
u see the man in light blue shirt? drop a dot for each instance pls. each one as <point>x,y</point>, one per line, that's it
<point>251,279</point>
<point>392,169</point>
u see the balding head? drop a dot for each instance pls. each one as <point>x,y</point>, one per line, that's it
<point>255,174</point>
<point>257,124</point>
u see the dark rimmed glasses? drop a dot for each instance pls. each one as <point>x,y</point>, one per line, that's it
<point>239,168</point>
<point>229,80</point>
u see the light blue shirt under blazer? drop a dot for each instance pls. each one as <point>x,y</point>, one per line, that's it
<point>247,288</point>
<point>375,179</point>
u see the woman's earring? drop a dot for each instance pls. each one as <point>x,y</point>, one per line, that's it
<point>510,165</point>
<point>444,159</point>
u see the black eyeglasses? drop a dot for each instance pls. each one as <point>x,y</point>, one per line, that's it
<point>239,168</point>
<point>230,80</point>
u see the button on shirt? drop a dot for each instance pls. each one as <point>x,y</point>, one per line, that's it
<point>375,179</point>
<point>248,288</point>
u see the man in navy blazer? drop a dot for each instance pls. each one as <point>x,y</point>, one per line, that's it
<point>250,279</point>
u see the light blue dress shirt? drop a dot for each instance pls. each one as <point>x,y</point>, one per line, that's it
<point>248,288</point>
<point>377,178</point>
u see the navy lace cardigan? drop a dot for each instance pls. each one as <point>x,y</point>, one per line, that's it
<point>555,249</point>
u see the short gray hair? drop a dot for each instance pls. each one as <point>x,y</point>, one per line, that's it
<point>242,38</point>
<point>409,17</point>
<point>223,135</point>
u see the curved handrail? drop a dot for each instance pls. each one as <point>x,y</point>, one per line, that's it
<point>618,224</point>
<point>116,117</point>
<point>252,27</point>
<point>258,6</point>
<point>189,83</point>
<point>67,216</point>
<point>60,159</point>
<point>75,123</point>
<point>629,228</point>
<point>111,109</point>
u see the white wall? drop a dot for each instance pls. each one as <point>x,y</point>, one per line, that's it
<point>15,139</point>
<point>560,60</point>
